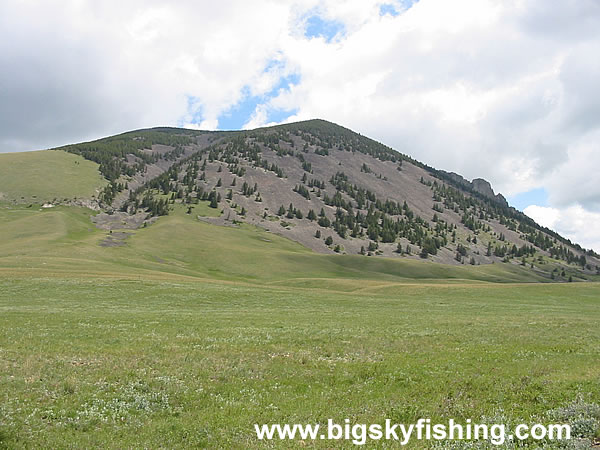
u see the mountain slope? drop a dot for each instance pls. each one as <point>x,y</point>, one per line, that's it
<point>326,187</point>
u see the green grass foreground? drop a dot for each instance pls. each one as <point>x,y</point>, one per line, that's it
<point>190,333</point>
<point>124,364</point>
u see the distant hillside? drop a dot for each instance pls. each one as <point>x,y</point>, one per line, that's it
<point>326,187</point>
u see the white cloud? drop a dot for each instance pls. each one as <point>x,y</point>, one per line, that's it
<point>501,90</point>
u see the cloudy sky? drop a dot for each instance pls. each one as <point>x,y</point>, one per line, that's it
<point>507,90</point>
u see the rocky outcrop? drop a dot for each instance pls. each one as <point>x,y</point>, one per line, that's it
<point>478,185</point>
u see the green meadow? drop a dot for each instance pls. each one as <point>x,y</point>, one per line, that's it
<point>47,175</point>
<point>190,333</point>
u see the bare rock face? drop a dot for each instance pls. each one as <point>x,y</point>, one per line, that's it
<point>502,200</point>
<point>479,185</point>
<point>483,187</point>
<point>457,178</point>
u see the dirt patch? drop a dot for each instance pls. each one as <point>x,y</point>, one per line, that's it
<point>116,239</point>
<point>121,221</point>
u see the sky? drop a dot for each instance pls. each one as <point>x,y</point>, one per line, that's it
<point>502,90</point>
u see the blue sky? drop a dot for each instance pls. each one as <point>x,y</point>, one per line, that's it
<point>388,8</point>
<point>522,200</point>
<point>237,116</point>
<point>396,9</point>
<point>315,26</point>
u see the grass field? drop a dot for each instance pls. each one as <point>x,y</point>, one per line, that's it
<point>96,363</point>
<point>47,175</point>
<point>189,334</point>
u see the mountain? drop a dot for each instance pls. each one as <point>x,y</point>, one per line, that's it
<point>325,187</point>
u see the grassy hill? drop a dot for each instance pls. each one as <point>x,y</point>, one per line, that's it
<point>46,176</point>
